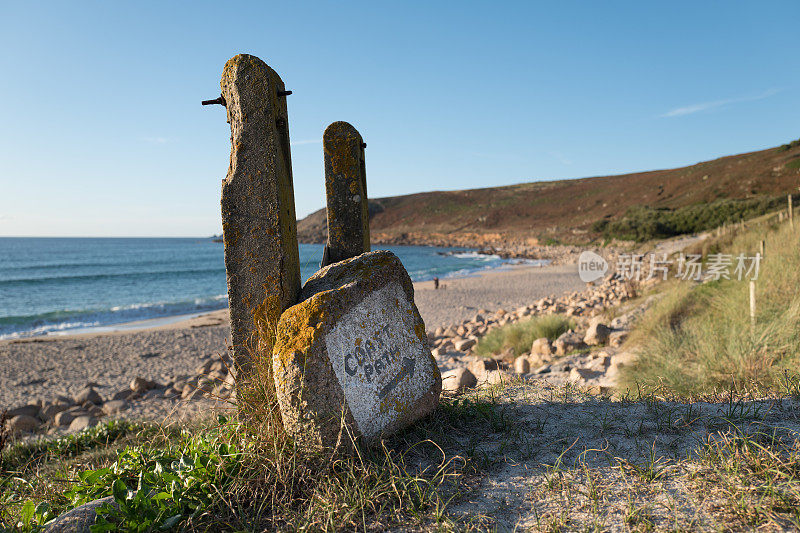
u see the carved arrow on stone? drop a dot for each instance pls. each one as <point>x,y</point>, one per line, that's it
<point>407,370</point>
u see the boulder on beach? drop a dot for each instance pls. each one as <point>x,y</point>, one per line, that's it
<point>596,334</point>
<point>351,361</point>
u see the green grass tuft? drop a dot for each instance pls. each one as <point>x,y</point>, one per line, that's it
<point>521,335</point>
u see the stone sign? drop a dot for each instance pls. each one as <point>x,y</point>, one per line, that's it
<point>258,215</point>
<point>352,361</point>
<point>346,191</point>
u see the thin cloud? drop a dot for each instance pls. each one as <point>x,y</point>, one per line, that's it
<point>697,108</point>
<point>306,141</point>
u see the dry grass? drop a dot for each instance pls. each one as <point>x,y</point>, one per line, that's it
<point>698,338</point>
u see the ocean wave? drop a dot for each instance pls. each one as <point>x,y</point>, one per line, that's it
<point>13,327</point>
<point>12,282</point>
<point>477,255</point>
<point>47,329</point>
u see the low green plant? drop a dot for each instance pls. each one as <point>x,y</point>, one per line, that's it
<point>158,488</point>
<point>243,474</point>
<point>757,473</point>
<point>788,146</point>
<point>521,335</point>
<point>644,223</point>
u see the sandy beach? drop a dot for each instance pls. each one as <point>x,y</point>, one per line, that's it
<point>42,367</point>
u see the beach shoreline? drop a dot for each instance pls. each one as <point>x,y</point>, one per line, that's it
<point>39,368</point>
<point>188,320</point>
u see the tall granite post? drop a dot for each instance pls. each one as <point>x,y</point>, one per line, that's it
<point>346,189</point>
<point>258,216</point>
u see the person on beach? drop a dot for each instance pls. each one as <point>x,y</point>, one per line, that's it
<point>435,283</point>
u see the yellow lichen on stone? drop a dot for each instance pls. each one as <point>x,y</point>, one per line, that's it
<point>298,326</point>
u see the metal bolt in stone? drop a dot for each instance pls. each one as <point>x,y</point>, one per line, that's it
<point>220,101</point>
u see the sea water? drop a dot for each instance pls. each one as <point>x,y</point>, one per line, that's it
<point>63,285</point>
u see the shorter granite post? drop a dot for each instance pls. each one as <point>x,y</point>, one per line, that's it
<point>351,361</point>
<point>346,191</point>
<point>258,215</point>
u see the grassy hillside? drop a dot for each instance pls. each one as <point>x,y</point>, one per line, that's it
<point>699,339</point>
<point>576,210</point>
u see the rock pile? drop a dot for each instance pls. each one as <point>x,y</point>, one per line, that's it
<point>213,378</point>
<point>566,358</point>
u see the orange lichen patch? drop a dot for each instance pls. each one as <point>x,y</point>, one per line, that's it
<point>395,403</point>
<point>299,325</point>
<point>230,234</point>
<point>419,329</point>
<point>342,144</point>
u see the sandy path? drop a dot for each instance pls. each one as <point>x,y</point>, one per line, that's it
<point>510,289</point>
<point>45,366</point>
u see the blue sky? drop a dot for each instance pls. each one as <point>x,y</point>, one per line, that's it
<point>102,132</point>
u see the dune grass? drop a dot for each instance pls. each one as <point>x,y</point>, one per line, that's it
<point>698,338</point>
<point>521,335</point>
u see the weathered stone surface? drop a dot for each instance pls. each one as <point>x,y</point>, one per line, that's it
<point>258,215</point>
<point>596,334</point>
<point>480,366</point>
<point>580,374</point>
<point>522,365</point>
<point>114,406</point>
<point>458,379</point>
<point>82,422</point>
<point>353,357</point>
<point>49,411</point>
<point>27,410</point>
<point>568,342</point>
<point>139,384</point>
<point>22,423</point>
<point>80,519</point>
<point>463,345</point>
<point>346,190</point>
<point>64,418</point>
<point>617,338</point>
<point>88,395</point>
<point>542,347</point>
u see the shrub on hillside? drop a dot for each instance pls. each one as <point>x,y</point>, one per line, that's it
<point>643,223</point>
